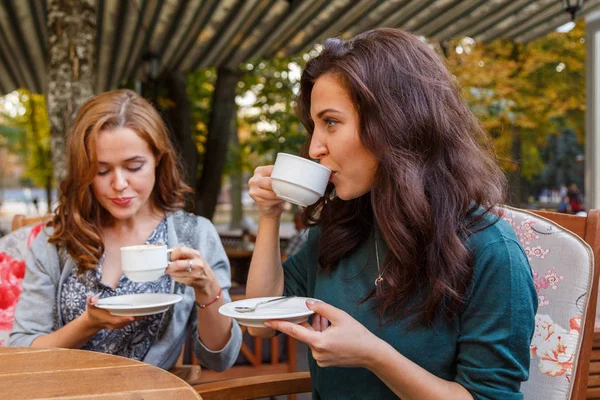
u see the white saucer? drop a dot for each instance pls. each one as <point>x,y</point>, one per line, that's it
<point>137,305</point>
<point>293,309</point>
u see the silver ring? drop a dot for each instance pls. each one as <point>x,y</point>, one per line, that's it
<point>189,268</point>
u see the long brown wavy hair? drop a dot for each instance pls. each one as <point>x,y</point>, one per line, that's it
<point>80,217</point>
<point>436,169</point>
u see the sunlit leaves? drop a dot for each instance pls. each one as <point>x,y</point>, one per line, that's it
<point>533,90</point>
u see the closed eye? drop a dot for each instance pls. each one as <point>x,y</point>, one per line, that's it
<point>132,168</point>
<point>135,167</point>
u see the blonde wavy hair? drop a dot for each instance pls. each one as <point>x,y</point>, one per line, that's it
<point>80,217</point>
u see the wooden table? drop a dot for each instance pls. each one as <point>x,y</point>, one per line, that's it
<point>27,373</point>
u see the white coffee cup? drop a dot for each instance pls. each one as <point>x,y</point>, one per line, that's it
<point>145,262</point>
<point>299,180</point>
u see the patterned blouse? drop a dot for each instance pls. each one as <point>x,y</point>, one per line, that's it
<point>134,340</point>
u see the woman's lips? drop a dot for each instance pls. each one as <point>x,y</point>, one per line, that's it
<point>331,176</point>
<point>121,201</point>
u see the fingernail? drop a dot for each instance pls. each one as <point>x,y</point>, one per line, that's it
<point>268,324</point>
<point>310,302</point>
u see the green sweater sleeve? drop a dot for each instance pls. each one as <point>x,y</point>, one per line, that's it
<point>498,322</point>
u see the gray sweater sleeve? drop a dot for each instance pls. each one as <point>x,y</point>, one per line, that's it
<point>34,315</point>
<point>211,249</point>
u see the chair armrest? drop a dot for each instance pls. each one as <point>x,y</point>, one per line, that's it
<point>189,373</point>
<point>256,386</point>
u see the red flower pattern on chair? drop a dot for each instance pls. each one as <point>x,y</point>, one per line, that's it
<point>11,274</point>
<point>552,344</point>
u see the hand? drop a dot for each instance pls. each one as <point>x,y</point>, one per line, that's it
<point>345,343</point>
<point>190,268</point>
<point>100,318</point>
<point>261,190</point>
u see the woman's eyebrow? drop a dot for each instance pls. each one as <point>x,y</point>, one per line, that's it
<point>134,158</point>
<point>332,110</point>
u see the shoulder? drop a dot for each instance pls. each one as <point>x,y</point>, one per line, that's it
<point>492,230</point>
<point>314,233</point>
<point>189,227</point>
<point>45,255</point>
<point>41,245</point>
<point>498,253</point>
<point>312,236</point>
<point>185,220</point>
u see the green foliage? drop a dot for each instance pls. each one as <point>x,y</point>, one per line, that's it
<point>200,88</point>
<point>266,121</point>
<point>524,91</point>
<point>10,134</point>
<point>27,132</point>
<point>269,125</point>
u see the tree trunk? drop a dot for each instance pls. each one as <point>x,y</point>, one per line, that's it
<point>179,119</point>
<point>49,194</point>
<point>237,211</point>
<point>71,43</point>
<point>221,125</point>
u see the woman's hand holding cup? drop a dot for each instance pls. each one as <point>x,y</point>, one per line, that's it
<point>261,190</point>
<point>187,266</point>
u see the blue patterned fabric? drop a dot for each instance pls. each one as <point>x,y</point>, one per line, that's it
<point>134,340</point>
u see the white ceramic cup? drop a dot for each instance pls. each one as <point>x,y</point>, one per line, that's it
<point>145,262</point>
<point>299,180</point>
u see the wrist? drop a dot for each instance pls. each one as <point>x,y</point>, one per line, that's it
<point>269,219</point>
<point>207,292</point>
<point>377,351</point>
<point>88,324</point>
<point>214,300</point>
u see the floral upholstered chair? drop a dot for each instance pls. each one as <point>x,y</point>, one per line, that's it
<point>13,247</point>
<point>562,264</point>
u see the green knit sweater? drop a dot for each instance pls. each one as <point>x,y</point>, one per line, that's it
<point>485,348</point>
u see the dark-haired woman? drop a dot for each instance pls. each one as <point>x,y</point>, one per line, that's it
<point>124,188</point>
<point>426,293</point>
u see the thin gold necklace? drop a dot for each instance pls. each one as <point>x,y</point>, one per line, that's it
<point>379,278</point>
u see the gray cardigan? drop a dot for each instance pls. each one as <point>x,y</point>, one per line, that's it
<point>47,269</point>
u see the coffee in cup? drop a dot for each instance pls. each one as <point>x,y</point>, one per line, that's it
<point>144,263</point>
<point>299,180</point>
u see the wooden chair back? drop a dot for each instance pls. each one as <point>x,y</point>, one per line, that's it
<point>21,220</point>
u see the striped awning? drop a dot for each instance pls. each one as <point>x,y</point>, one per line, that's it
<point>186,35</point>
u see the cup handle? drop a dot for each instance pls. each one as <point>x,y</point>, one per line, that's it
<point>170,250</point>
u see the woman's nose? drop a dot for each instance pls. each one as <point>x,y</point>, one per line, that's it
<point>119,181</point>
<point>318,148</point>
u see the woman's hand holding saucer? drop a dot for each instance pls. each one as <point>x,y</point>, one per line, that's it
<point>344,343</point>
<point>187,266</point>
<point>102,319</point>
<point>261,190</point>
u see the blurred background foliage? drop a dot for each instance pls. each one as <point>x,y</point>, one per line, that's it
<point>529,97</point>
